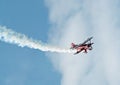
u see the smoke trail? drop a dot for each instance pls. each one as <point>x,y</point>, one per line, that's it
<point>9,36</point>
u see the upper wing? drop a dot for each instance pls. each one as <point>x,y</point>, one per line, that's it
<point>86,41</point>
<point>76,46</point>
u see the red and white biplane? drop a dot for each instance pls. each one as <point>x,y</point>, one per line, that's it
<point>86,45</point>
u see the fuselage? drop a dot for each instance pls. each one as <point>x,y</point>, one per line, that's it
<point>84,47</point>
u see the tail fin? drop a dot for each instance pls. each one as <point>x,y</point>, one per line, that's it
<point>72,45</point>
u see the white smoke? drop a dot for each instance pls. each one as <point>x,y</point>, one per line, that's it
<point>75,20</point>
<point>9,36</point>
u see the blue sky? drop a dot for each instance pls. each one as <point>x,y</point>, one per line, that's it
<point>24,66</point>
